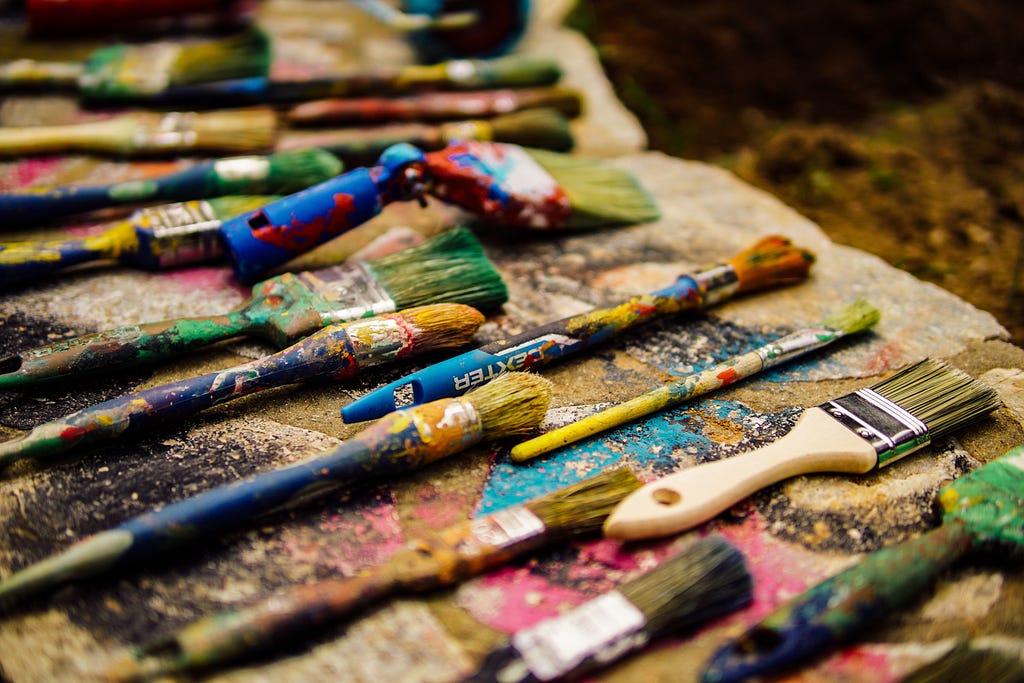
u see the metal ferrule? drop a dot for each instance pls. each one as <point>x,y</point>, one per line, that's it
<point>457,426</point>
<point>176,130</point>
<point>354,285</point>
<point>377,340</point>
<point>792,345</point>
<point>717,283</point>
<point>182,233</point>
<point>891,430</point>
<point>506,528</point>
<point>243,168</point>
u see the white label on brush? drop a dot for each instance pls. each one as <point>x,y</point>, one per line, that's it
<point>352,288</point>
<point>183,233</point>
<point>600,630</point>
<point>243,168</point>
<point>506,527</point>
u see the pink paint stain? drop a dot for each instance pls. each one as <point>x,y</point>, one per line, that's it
<point>27,172</point>
<point>863,664</point>
<point>510,599</point>
<point>205,278</point>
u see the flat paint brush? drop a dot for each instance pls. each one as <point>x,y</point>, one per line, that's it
<point>503,184</point>
<point>401,443</point>
<point>772,261</point>
<point>857,433</point>
<point>336,352</point>
<point>983,510</point>
<point>448,268</point>
<point>444,558</point>
<point>439,106</point>
<point>238,131</point>
<point>139,72</point>
<point>707,580</point>
<point>854,318</point>
<point>281,173</point>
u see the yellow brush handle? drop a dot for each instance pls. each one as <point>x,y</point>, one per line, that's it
<point>108,135</point>
<point>680,501</point>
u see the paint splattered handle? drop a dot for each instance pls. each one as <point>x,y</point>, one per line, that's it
<point>32,208</point>
<point>22,261</point>
<point>837,608</point>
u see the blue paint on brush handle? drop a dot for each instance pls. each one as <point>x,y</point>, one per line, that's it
<point>30,260</point>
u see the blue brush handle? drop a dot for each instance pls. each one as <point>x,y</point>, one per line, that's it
<point>28,260</point>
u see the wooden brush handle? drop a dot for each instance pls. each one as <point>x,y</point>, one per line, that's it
<point>817,443</point>
<point>98,136</point>
<point>21,261</point>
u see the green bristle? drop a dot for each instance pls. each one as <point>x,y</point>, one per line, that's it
<point>450,268</point>
<point>942,397</point>
<point>513,403</point>
<point>285,173</point>
<point>857,317</point>
<point>543,128</point>
<point>236,205</point>
<point>583,507</point>
<point>245,55</point>
<point>964,663</point>
<point>706,580</point>
<point>600,193</point>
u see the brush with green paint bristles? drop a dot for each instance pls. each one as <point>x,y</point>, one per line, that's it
<point>395,445</point>
<point>448,268</point>
<point>146,71</point>
<point>444,558</point>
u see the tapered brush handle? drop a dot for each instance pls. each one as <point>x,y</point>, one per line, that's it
<point>839,607</point>
<point>112,135</point>
<point>31,73</point>
<point>680,501</point>
<point>21,261</point>
<point>32,208</point>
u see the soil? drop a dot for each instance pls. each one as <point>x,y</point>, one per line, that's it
<point>897,126</point>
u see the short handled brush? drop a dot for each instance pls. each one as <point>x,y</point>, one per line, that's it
<point>401,443</point>
<point>503,184</point>
<point>707,580</point>
<point>281,173</point>
<point>447,268</point>
<point>856,433</point>
<point>772,261</point>
<point>336,352</point>
<point>141,72</point>
<point>983,510</point>
<point>854,318</point>
<point>442,559</point>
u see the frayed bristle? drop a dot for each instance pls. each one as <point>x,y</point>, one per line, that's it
<point>443,326</point>
<point>705,581</point>
<point>543,128</point>
<point>943,397</point>
<point>772,262</point>
<point>297,169</point>
<point>964,663</point>
<point>856,317</point>
<point>583,507</point>
<point>450,267</point>
<point>230,131</point>
<point>600,193</point>
<point>235,205</point>
<point>245,55</point>
<point>513,403</point>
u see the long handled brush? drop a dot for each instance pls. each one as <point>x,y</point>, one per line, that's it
<point>854,318</point>
<point>442,559</point>
<point>280,173</point>
<point>856,433</point>
<point>447,268</point>
<point>396,445</point>
<point>707,580</point>
<point>770,262</point>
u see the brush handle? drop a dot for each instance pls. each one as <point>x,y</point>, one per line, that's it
<point>112,135</point>
<point>836,609</point>
<point>32,73</point>
<point>21,261</point>
<point>680,501</point>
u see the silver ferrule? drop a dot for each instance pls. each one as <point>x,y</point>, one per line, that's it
<point>349,290</point>
<point>182,233</point>
<point>718,283</point>
<point>796,344</point>
<point>506,528</point>
<point>176,130</point>
<point>890,429</point>
<point>377,340</point>
<point>243,168</point>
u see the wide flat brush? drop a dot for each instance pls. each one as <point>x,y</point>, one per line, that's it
<point>280,173</point>
<point>448,268</point>
<point>862,431</point>
<point>396,445</point>
<point>707,580</point>
<point>983,510</point>
<point>772,261</point>
<point>336,352</point>
<point>444,558</point>
<point>238,131</point>
<point>854,318</point>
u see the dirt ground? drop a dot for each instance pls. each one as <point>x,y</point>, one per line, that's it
<point>897,126</point>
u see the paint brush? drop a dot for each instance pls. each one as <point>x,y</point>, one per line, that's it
<point>448,268</point>
<point>770,262</point>
<point>444,558</point>
<point>983,510</point>
<point>854,318</point>
<point>400,443</point>
<point>862,431</point>
<point>336,352</point>
<point>503,184</point>
<point>139,72</point>
<point>966,662</point>
<point>237,131</point>
<point>707,580</point>
<point>281,173</point>
<point>433,106</point>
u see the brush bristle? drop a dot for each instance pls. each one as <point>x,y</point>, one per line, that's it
<point>543,128</point>
<point>513,403</point>
<point>705,581</point>
<point>245,55</point>
<point>600,193</point>
<point>583,507</point>
<point>943,397</point>
<point>297,169</point>
<point>856,317</point>
<point>235,205</point>
<point>442,326</point>
<point>773,261</point>
<point>450,267</point>
<point>965,663</point>
<point>234,131</point>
